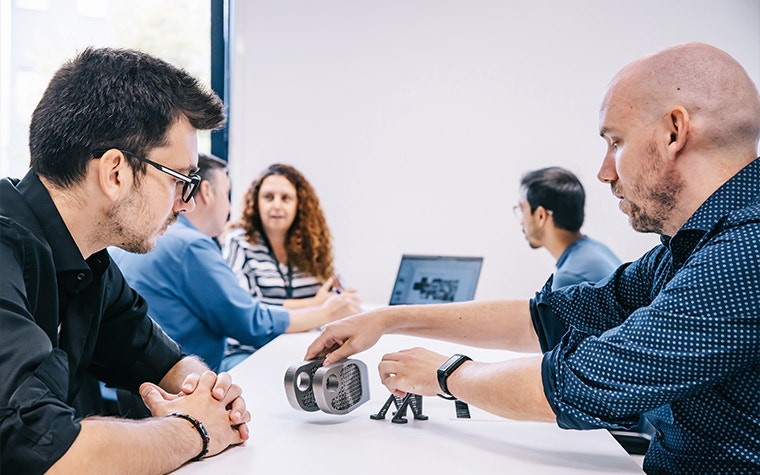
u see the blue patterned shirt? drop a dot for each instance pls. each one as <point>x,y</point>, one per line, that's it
<point>676,335</point>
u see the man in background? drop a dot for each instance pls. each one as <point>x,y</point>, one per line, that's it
<point>550,211</point>
<point>194,295</point>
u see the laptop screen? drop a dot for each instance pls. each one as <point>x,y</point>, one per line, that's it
<point>435,279</point>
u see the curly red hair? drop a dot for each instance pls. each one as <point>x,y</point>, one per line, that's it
<point>308,243</point>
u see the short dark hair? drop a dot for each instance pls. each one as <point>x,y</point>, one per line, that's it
<point>207,163</point>
<point>559,191</point>
<point>113,98</point>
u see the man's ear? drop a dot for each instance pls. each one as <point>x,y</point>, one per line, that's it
<point>541,214</point>
<point>115,175</point>
<point>678,130</point>
<point>205,193</point>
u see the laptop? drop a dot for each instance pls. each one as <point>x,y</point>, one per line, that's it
<point>435,279</point>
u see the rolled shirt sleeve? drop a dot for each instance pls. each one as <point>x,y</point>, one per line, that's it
<point>688,340</point>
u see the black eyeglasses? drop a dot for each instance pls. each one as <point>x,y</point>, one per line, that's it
<point>520,214</point>
<point>191,181</point>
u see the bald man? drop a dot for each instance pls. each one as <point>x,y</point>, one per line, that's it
<point>675,334</point>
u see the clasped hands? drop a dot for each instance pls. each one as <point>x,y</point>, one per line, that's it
<point>212,399</point>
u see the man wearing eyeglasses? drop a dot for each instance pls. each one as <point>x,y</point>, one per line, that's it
<point>550,212</point>
<point>113,153</point>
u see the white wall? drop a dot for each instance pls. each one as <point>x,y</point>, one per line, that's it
<point>414,119</point>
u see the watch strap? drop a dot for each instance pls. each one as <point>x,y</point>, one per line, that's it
<point>447,368</point>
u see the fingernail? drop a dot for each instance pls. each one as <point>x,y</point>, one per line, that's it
<point>237,416</point>
<point>219,392</point>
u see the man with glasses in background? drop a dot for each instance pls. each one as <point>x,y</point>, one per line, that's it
<point>113,147</point>
<point>551,212</point>
<point>194,295</point>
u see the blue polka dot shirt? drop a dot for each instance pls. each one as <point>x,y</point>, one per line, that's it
<point>675,335</point>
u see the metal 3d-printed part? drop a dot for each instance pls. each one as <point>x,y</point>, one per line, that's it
<point>337,388</point>
<point>298,385</point>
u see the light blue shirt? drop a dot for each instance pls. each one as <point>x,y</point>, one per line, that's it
<point>585,260</point>
<point>195,297</point>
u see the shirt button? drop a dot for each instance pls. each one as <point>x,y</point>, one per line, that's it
<point>659,435</point>
<point>80,276</point>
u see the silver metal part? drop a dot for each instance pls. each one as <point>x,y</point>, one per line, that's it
<point>298,385</point>
<point>338,388</point>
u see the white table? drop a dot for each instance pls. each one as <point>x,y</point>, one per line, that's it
<point>286,440</point>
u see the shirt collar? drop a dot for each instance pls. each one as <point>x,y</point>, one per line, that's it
<point>732,195</point>
<point>74,272</point>
<point>66,254</point>
<point>183,221</point>
<point>568,250</point>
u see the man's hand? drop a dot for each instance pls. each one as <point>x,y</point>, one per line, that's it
<point>214,400</point>
<point>411,371</point>
<point>222,387</point>
<point>345,337</point>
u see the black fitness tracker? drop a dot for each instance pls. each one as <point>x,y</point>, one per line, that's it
<point>448,367</point>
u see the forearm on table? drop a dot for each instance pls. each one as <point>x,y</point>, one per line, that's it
<point>306,319</point>
<point>295,304</point>
<point>501,324</point>
<point>511,389</point>
<point>172,381</point>
<point>120,446</point>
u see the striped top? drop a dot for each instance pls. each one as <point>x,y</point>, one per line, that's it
<point>256,270</point>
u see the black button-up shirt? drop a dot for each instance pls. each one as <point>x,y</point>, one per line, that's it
<point>61,316</point>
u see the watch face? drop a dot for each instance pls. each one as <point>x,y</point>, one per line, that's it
<point>453,361</point>
<point>448,367</point>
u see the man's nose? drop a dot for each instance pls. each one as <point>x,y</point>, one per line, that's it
<point>181,207</point>
<point>607,172</point>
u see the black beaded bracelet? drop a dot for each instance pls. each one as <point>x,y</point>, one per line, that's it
<point>199,427</point>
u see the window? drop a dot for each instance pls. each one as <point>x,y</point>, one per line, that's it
<point>38,36</point>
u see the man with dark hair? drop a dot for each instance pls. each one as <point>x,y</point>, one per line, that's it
<point>674,334</point>
<point>550,211</point>
<point>113,151</point>
<point>194,295</point>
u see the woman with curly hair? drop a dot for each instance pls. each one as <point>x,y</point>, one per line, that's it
<point>281,248</point>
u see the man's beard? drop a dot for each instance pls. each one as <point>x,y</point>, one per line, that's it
<point>138,241</point>
<point>661,195</point>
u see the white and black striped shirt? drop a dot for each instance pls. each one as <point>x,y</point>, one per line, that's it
<point>257,271</point>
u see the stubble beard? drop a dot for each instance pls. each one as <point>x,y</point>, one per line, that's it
<point>661,195</point>
<point>129,234</point>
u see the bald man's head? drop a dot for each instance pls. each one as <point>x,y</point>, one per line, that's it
<point>718,94</point>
